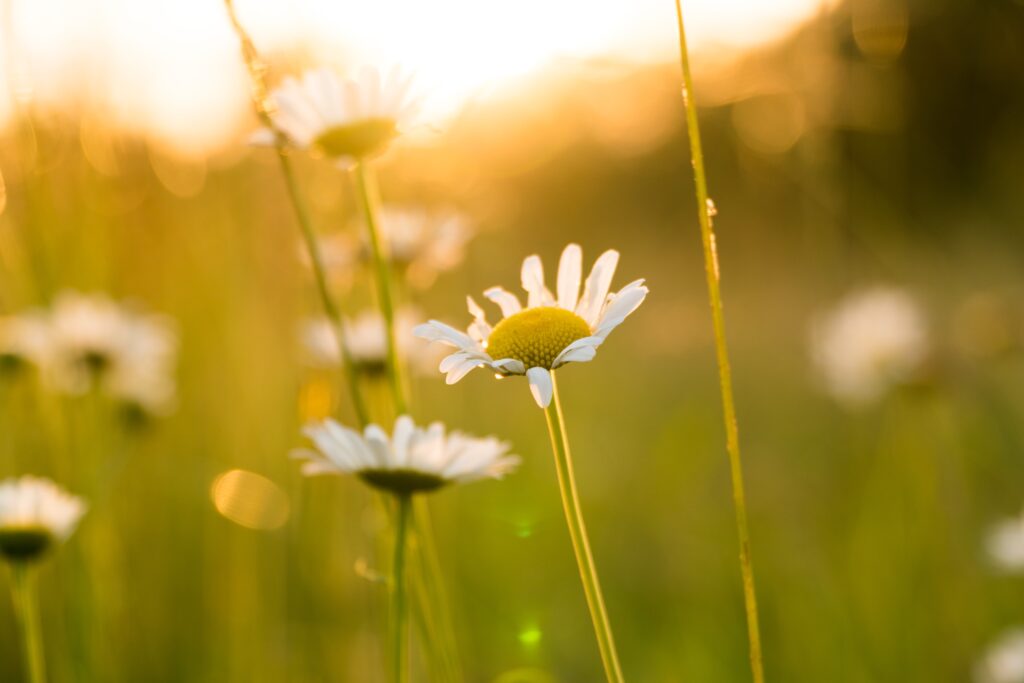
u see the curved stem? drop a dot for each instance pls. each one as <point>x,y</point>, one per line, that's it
<point>578,534</point>
<point>399,611</point>
<point>369,202</point>
<point>27,608</point>
<point>705,211</point>
<point>257,73</point>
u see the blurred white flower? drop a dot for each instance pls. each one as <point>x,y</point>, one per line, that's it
<point>412,460</point>
<point>1005,544</point>
<point>873,340</point>
<point>420,245</point>
<point>24,339</point>
<point>94,341</point>
<point>345,119</point>
<point>550,332</point>
<point>367,342</point>
<point>1004,660</point>
<point>35,513</point>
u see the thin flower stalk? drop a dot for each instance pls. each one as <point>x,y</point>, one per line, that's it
<point>705,211</point>
<point>27,608</point>
<point>257,74</point>
<point>399,606</point>
<point>578,535</point>
<point>371,210</point>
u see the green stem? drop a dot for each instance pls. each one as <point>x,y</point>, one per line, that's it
<point>399,608</point>
<point>705,210</point>
<point>435,593</point>
<point>257,72</point>
<point>578,534</point>
<point>369,201</point>
<point>27,608</point>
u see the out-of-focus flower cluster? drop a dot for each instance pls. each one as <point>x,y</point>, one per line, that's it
<point>89,342</point>
<point>367,342</point>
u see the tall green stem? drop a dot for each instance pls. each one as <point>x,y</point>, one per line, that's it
<point>399,609</point>
<point>578,534</point>
<point>257,75</point>
<point>705,211</point>
<point>370,204</point>
<point>27,608</point>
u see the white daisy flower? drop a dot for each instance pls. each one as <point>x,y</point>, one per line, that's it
<point>96,341</point>
<point>874,340</point>
<point>35,513</point>
<point>366,336</point>
<point>345,119</point>
<point>1005,544</point>
<point>1004,660</point>
<point>412,460</point>
<point>24,339</point>
<point>424,244</point>
<point>552,330</point>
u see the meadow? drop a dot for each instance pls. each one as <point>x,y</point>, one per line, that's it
<point>866,151</point>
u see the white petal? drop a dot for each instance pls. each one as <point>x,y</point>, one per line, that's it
<point>462,369</point>
<point>580,351</point>
<point>596,288</point>
<point>510,366</point>
<point>540,386</point>
<point>508,302</point>
<point>570,272</point>
<point>446,334</point>
<point>532,277</point>
<point>621,305</point>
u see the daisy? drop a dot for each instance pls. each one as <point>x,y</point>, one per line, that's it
<point>422,244</point>
<point>345,119</point>
<point>24,340</point>
<point>366,336</point>
<point>95,341</point>
<point>1004,660</point>
<point>1005,544</point>
<point>550,331</point>
<point>411,460</point>
<point>874,340</point>
<point>34,514</point>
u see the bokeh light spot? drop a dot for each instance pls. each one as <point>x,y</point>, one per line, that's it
<point>250,500</point>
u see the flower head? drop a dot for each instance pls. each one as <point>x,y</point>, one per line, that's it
<point>550,331</point>
<point>367,341</point>
<point>1005,544</point>
<point>345,119</point>
<point>94,341</point>
<point>24,339</point>
<point>1004,660</point>
<point>874,340</point>
<point>412,460</point>
<point>35,513</point>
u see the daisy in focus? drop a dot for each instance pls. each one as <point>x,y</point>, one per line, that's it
<point>367,342</point>
<point>344,119</point>
<point>35,514</point>
<point>410,460</point>
<point>1004,660</point>
<point>550,331</point>
<point>873,341</point>
<point>1005,544</point>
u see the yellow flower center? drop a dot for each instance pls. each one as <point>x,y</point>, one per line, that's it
<point>536,336</point>
<point>358,139</point>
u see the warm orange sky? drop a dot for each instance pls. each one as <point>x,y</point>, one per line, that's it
<point>171,69</point>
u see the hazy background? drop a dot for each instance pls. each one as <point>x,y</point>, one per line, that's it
<point>848,144</point>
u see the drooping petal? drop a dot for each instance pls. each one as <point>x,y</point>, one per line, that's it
<point>570,271</point>
<point>596,288</point>
<point>580,351</point>
<point>462,369</point>
<point>509,366</point>
<point>508,302</point>
<point>540,386</point>
<point>532,277</point>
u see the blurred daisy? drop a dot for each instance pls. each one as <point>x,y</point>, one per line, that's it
<point>411,460</point>
<point>367,343</point>
<point>1005,544</point>
<point>423,244</point>
<point>24,340</point>
<point>1004,660</point>
<point>552,330</point>
<point>95,341</point>
<point>34,514</point>
<point>345,119</point>
<point>872,341</point>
